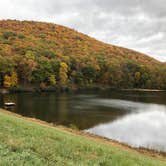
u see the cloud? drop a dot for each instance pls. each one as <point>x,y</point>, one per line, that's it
<point>139,25</point>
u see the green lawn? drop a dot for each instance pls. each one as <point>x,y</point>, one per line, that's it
<point>23,142</point>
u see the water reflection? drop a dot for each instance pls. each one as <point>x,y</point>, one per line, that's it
<point>64,109</point>
<point>144,127</point>
<point>120,104</point>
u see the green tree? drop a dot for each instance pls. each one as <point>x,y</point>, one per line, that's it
<point>55,63</point>
<point>78,77</point>
<point>129,69</point>
<point>42,71</point>
<point>115,75</point>
<point>89,73</point>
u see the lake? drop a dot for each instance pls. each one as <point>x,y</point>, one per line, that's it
<point>135,118</point>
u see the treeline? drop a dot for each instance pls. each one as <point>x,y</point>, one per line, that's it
<point>48,55</point>
<point>44,72</point>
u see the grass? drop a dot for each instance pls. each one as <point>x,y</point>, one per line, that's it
<point>24,142</point>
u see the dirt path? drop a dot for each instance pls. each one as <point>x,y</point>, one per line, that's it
<point>106,141</point>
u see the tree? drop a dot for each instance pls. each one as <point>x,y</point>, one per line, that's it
<point>7,81</point>
<point>77,77</point>
<point>14,79</point>
<point>10,80</point>
<point>55,63</point>
<point>25,68</point>
<point>137,77</point>
<point>63,73</point>
<point>52,79</point>
<point>115,75</point>
<point>129,70</point>
<point>42,71</point>
<point>146,77</point>
<point>89,73</point>
<point>6,66</point>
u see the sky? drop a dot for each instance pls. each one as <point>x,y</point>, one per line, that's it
<point>135,24</point>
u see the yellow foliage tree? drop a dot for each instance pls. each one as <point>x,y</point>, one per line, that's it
<point>52,79</point>
<point>7,81</point>
<point>11,81</point>
<point>137,76</point>
<point>63,73</point>
<point>14,79</point>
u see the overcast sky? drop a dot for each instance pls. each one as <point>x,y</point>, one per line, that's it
<point>135,24</point>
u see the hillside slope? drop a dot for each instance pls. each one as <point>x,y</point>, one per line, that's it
<point>64,41</point>
<point>49,54</point>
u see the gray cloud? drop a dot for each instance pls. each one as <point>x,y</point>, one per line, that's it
<point>136,24</point>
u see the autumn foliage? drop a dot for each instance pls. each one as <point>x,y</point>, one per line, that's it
<point>63,73</point>
<point>46,54</point>
<point>11,81</point>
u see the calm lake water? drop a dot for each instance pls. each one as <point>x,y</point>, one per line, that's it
<point>135,118</point>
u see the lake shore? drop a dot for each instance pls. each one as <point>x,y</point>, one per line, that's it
<point>144,90</point>
<point>71,89</point>
<point>134,155</point>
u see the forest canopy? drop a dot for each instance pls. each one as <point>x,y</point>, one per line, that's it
<point>48,55</point>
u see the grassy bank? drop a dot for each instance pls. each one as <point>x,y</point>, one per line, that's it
<point>26,142</point>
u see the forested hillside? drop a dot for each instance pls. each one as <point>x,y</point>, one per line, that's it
<point>49,55</point>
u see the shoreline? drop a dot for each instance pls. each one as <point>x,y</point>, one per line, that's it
<point>93,137</point>
<point>144,90</point>
<point>69,89</point>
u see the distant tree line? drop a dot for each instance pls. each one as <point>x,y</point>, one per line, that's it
<point>42,71</point>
